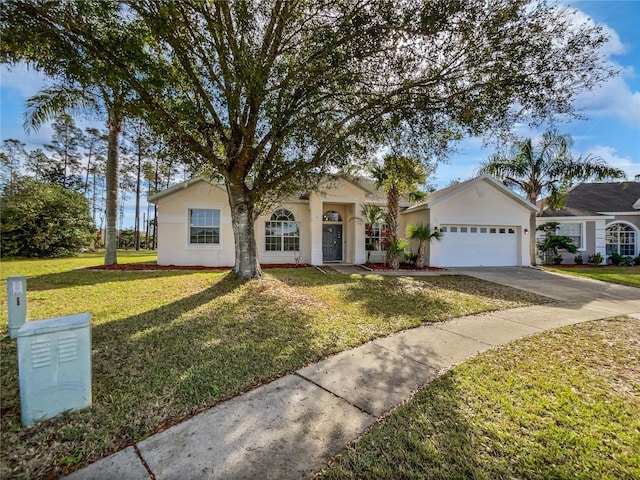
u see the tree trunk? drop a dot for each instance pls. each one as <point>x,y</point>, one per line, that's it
<point>114,123</point>
<point>393,204</point>
<point>243,221</point>
<point>136,230</point>
<point>420,259</point>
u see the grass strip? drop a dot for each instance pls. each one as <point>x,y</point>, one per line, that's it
<point>629,276</point>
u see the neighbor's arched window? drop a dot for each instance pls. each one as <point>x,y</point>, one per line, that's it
<point>331,216</point>
<point>621,238</point>
<point>282,232</point>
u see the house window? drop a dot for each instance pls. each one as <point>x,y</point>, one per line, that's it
<point>282,232</point>
<point>621,238</point>
<point>331,216</point>
<point>375,236</point>
<point>573,231</point>
<point>204,226</point>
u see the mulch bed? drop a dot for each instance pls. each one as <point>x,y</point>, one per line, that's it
<point>403,266</point>
<point>128,267</point>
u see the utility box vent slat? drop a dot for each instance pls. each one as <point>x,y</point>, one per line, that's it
<point>54,362</point>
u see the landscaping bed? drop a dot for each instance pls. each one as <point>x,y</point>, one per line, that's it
<point>155,266</point>
<point>406,267</point>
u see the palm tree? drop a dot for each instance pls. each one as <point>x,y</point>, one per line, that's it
<point>398,175</point>
<point>57,99</point>
<point>546,168</point>
<point>423,234</point>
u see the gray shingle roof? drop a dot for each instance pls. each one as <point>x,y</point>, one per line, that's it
<point>589,199</point>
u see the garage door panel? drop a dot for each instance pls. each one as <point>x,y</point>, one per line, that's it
<point>482,245</point>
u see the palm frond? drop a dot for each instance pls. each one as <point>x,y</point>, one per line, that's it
<point>53,101</point>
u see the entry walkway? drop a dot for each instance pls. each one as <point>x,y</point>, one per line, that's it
<point>290,427</point>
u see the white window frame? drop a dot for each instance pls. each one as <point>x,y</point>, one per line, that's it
<point>583,232</point>
<point>276,218</point>
<point>633,230</point>
<point>213,226</point>
<point>376,239</point>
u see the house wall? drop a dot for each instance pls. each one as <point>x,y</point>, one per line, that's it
<point>481,204</point>
<point>301,214</point>
<point>416,218</point>
<point>173,228</point>
<point>174,247</point>
<point>633,219</point>
<point>347,199</point>
<point>593,230</point>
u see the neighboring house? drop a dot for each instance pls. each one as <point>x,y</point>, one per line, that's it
<point>599,217</point>
<point>484,223</point>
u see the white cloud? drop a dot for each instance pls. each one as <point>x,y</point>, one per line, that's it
<point>613,99</point>
<point>21,79</point>
<point>609,155</point>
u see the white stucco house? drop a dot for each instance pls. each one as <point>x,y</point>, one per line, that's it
<point>483,222</point>
<point>600,218</point>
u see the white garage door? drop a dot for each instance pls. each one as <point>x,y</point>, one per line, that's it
<point>478,245</point>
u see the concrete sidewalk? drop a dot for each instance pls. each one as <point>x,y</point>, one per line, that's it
<point>290,427</point>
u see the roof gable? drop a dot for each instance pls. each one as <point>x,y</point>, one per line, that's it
<point>181,187</point>
<point>444,194</point>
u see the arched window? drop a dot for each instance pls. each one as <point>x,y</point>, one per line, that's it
<point>621,238</point>
<point>282,232</point>
<point>331,216</point>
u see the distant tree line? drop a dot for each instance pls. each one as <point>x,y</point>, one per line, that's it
<point>42,189</point>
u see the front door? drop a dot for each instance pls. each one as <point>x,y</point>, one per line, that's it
<point>331,243</point>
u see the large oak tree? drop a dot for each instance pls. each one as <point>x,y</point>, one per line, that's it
<point>268,95</point>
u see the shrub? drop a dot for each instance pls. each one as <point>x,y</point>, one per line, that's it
<point>578,259</point>
<point>596,258</point>
<point>43,220</point>
<point>620,260</point>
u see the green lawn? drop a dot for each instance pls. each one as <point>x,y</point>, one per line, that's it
<point>622,275</point>
<point>167,344</point>
<point>563,404</point>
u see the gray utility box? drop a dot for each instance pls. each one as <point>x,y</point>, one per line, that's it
<point>54,362</point>
<point>16,303</point>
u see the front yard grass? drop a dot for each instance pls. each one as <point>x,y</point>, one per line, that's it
<point>623,275</point>
<point>168,344</point>
<point>563,404</point>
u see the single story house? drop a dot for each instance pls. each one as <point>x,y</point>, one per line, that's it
<point>599,217</point>
<point>483,222</point>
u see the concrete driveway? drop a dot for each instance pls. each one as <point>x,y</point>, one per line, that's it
<point>565,288</point>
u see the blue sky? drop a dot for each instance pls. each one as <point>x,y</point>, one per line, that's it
<point>611,130</point>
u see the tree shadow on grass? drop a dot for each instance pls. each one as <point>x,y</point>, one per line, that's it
<point>429,437</point>
<point>85,277</point>
<point>154,369</point>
